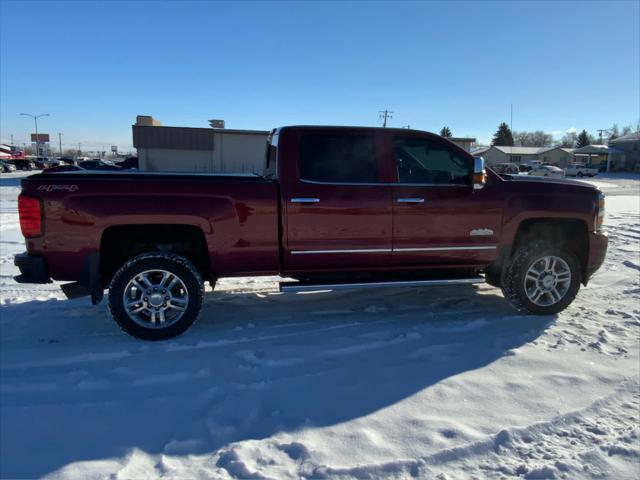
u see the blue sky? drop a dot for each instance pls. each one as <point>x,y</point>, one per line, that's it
<point>95,66</point>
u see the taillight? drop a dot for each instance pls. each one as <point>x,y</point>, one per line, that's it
<point>600,213</point>
<point>30,211</point>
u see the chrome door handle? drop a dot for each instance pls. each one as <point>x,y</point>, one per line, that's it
<point>305,200</point>
<point>411,200</point>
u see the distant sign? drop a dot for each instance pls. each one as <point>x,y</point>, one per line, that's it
<point>40,138</point>
<point>114,149</point>
<point>216,123</point>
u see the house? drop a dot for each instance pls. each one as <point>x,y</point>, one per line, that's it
<point>558,156</point>
<point>207,150</point>
<point>629,147</point>
<point>498,154</point>
<point>464,142</point>
<point>591,155</point>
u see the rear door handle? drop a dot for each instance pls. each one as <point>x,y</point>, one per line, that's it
<point>411,200</point>
<point>305,200</point>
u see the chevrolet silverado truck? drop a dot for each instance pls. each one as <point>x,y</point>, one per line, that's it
<point>337,207</point>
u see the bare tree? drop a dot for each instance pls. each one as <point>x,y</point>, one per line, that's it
<point>537,138</point>
<point>569,139</point>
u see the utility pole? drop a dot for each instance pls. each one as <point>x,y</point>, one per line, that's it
<point>511,128</point>
<point>600,132</point>
<point>60,142</point>
<point>12,140</point>
<point>35,119</point>
<point>511,120</point>
<point>384,116</point>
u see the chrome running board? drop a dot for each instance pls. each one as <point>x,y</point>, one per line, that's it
<point>306,287</point>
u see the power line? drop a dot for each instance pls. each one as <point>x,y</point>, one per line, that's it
<point>384,116</point>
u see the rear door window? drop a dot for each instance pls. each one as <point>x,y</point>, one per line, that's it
<point>338,158</point>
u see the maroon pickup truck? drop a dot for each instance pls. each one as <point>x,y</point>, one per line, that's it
<point>338,207</point>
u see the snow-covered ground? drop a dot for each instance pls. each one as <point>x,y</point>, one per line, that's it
<point>440,383</point>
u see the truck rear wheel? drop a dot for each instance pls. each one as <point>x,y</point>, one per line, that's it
<point>156,295</point>
<point>541,279</point>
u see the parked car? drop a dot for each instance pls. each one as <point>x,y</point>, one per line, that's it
<point>45,162</point>
<point>531,164</point>
<point>580,170</point>
<point>7,167</point>
<point>67,161</point>
<point>129,163</point>
<point>63,168</point>
<point>98,164</point>
<point>338,208</point>
<point>508,168</point>
<point>546,171</point>
<point>22,164</point>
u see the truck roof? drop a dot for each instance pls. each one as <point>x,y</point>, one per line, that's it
<point>355,127</point>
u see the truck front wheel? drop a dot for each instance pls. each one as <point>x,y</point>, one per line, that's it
<point>156,296</point>
<point>541,279</point>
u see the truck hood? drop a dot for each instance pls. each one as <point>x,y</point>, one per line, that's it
<point>548,180</point>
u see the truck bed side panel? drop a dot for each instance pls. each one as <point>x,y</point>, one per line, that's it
<point>237,215</point>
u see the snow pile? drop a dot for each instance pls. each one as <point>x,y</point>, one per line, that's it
<point>441,383</point>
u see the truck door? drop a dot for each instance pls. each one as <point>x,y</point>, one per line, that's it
<point>336,205</point>
<point>438,219</point>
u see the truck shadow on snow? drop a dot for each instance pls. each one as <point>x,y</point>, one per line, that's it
<point>253,366</point>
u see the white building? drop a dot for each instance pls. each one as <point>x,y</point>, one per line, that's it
<point>521,155</point>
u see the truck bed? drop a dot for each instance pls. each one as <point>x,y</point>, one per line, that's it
<point>236,213</point>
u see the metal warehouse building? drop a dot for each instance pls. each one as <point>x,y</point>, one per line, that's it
<point>207,150</point>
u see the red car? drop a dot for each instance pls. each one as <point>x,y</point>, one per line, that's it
<point>338,207</point>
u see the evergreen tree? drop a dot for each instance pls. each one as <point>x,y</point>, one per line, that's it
<point>503,137</point>
<point>583,139</point>
<point>445,132</point>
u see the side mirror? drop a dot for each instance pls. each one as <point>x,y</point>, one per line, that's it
<point>479,173</point>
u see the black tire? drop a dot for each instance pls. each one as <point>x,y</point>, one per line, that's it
<point>513,283</point>
<point>580,174</point>
<point>169,262</point>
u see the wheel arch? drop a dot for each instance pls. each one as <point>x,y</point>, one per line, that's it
<point>568,233</point>
<point>120,243</point>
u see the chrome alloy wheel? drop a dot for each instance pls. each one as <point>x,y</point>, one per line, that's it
<point>155,299</point>
<point>547,281</point>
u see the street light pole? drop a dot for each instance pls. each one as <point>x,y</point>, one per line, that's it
<point>35,119</point>
<point>60,142</point>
